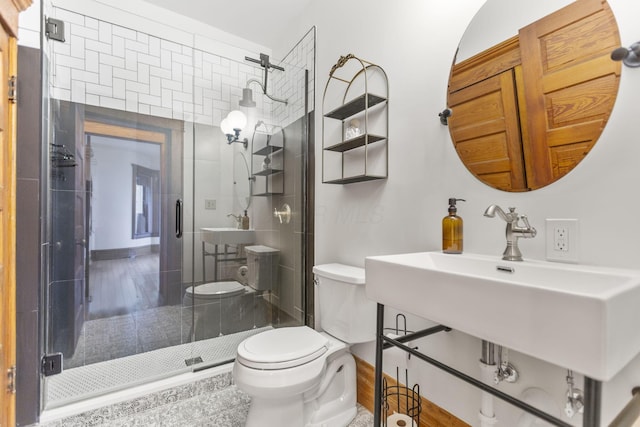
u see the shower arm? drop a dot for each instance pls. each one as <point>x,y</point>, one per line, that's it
<point>264,90</point>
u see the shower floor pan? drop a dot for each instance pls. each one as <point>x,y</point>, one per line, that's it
<point>88,381</point>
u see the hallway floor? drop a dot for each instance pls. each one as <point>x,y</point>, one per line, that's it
<point>123,285</point>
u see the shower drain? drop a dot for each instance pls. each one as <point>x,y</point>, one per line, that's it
<point>193,361</point>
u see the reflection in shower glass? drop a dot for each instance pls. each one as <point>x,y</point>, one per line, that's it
<point>146,202</point>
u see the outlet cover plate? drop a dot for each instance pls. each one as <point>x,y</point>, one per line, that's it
<point>562,240</point>
<point>210,204</point>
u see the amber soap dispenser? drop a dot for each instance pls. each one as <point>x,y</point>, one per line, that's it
<point>452,229</point>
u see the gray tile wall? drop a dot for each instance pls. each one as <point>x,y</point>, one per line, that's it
<point>28,230</point>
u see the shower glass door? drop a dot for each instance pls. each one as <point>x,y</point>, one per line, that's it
<point>137,168</point>
<point>119,117</point>
<point>115,257</point>
<point>245,285</point>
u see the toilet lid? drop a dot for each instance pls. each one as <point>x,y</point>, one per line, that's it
<point>217,289</point>
<point>282,348</point>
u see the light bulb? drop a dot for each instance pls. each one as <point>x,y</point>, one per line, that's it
<point>237,119</point>
<point>225,127</point>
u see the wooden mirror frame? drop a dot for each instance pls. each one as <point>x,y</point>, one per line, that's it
<point>526,111</point>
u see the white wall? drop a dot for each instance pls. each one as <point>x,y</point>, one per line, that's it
<point>415,41</point>
<point>112,175</point>
<point>29,26</point>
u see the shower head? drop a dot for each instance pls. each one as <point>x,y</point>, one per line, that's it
<point>247,98</point>
<point>265,63</point>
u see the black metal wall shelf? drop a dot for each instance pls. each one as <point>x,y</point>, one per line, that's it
<point>355,106</point>
<point>358,141</point>
<point>361,107</point>
<point>265,177</point>
<point>355,178</point>
<point>267,172</point>
<point>266,150</point>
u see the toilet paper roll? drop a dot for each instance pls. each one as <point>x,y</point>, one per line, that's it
<point>242,274</point>
<point>400,420</point>
<point>396,355</point>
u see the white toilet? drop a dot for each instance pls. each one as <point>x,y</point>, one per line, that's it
<point>297,376</point>
<point>222,308</point>
<point>227,307</point>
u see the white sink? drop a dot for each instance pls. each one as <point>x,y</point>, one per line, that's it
<point>228,235</point>
<point>579,317</point>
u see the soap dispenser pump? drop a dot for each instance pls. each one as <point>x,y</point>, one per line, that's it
<point>452,229</point>
<point>245,221</point>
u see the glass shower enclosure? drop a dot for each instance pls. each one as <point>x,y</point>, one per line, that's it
<point>147,275</point>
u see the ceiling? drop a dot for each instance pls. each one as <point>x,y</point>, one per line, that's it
<point>259,21</point>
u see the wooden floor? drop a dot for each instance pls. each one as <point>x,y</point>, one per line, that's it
<point>123,286</point>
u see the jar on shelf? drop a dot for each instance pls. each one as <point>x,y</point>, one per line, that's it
<point>353,130</point>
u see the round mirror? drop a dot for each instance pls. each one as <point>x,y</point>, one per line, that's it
<point>531,89</point>
<point>241,180</point>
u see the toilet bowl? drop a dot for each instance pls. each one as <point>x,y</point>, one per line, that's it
<point>222,308</point>
<point>226,307</point>
<point>297,376</point>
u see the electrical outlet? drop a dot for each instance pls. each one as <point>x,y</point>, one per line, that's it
<point>562,240</point>
<point>210,204</point>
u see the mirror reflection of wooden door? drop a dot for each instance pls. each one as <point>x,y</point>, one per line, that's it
<point>8,67</point>
<point>556,103</point>
<point>570,85</point>
<point>488,141</point>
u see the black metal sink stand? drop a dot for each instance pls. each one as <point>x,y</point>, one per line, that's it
<point>592,388</point>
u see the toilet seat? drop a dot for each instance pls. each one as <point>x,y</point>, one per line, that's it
<point>216,290</point>
<point>282,348</point>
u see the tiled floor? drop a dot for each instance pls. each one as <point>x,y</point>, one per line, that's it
<point>213,402</point>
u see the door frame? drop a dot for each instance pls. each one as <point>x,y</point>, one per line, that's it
<point>9,11</point>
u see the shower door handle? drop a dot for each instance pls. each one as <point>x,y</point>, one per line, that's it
<point>178,218</point>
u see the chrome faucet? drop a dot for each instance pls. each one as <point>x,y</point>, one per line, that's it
<point>238,219</point>
<point>513,232</point>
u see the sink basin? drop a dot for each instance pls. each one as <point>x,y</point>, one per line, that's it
<point>228,236</point>
<point>579,317</point>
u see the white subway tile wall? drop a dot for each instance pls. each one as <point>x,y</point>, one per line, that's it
<point>301,57</point>
<point>111,66</point>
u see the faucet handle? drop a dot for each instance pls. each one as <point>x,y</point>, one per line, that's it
<point>531,231</point>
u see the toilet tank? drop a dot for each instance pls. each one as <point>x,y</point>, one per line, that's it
<point>263,264</point>
<point>345,311</point>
